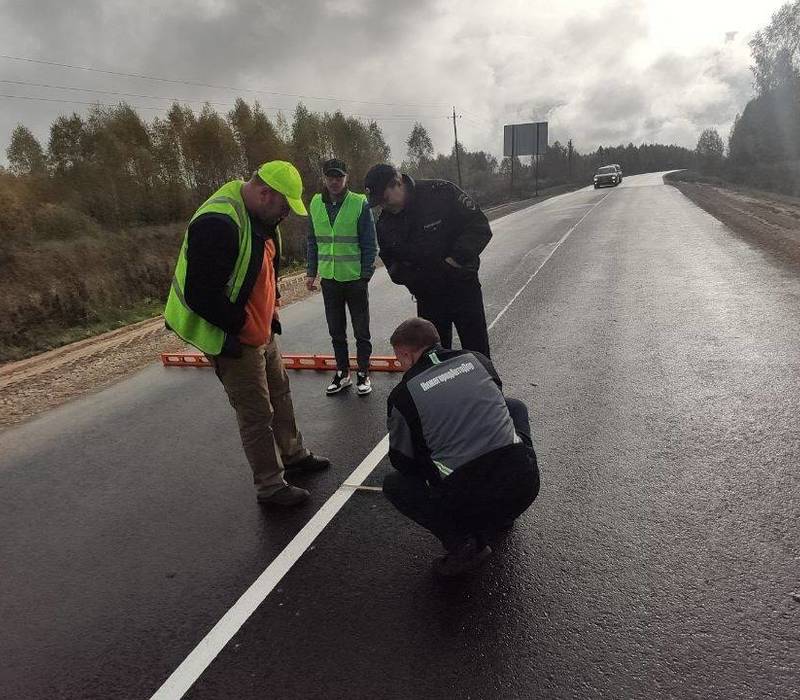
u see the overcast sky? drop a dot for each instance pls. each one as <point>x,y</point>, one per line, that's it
<point>601,72</point>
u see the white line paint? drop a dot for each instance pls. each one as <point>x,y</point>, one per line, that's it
<point>544,262</point>
<point>212,644</point>
<point>199,659</point>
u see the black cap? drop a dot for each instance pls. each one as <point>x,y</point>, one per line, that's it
<point>334,166</point>
<point>376,181</point>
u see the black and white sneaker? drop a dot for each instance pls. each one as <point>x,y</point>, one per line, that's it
<point>363,384</point>
<point>340,381</point>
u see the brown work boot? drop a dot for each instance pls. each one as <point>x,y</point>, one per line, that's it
<point>285,496</point>
<point>467,556</point>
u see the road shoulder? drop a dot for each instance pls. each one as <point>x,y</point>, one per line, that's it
<point>771,221</point>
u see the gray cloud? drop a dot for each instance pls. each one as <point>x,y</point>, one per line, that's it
<point>578,65</point>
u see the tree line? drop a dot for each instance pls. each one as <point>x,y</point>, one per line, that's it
<point>763,147</point>
<point>489,180</point>
<point>115,170</point>
<point>112,170</point>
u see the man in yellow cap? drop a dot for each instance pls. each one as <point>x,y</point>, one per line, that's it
<point>224,300</point>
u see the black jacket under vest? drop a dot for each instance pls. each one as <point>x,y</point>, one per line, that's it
<point>213,246</point>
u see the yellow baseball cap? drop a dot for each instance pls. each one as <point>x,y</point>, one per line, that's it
<point>283,177</point>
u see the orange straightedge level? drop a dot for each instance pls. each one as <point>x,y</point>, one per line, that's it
<point>378,363</point>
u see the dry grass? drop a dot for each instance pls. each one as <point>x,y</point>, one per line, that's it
<point>91,282</point>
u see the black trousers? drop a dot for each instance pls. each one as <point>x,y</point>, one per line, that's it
<point>354,296</point>
<point>463,307</point>
<point>471,504</point>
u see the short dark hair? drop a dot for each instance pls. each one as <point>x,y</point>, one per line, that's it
<point>415,334</point>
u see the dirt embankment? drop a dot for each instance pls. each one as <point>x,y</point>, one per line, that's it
<point>34,385</point>
<point>51,286</point>
<point>771,221</point>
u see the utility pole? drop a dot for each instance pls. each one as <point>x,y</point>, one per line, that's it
<point>569,160</point>
<point>535,159</point>
<point>513,158</point>
<point>455,134</point>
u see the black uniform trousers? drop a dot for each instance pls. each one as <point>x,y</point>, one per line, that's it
<point>355,297</point>
<point>460,306</point>
<point>471,502</point>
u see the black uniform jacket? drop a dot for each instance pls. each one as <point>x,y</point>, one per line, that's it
<point>439,221</point>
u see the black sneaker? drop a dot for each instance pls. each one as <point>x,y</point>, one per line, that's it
<point>340,381</point>
<point>309,463</point>
<point>464,558</point>
<point>363,384</point>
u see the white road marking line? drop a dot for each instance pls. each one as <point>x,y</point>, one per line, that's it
<point>200,658</point>
<point>544,262</point>
<point>213,643</point>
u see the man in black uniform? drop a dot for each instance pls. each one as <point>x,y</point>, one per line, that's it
<point>430,235</point>
<point>464,457</point>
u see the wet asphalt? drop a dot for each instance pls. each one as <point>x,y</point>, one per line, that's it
<point>659,356</point>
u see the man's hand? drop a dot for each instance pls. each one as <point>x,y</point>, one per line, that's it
<point>310,284</point>
<point>451,262</point>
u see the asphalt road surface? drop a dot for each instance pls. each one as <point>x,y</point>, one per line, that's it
<point>659,355</point>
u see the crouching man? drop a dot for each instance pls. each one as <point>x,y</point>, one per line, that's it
<point>464,457</point>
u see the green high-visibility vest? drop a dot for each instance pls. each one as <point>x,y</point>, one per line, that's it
<point>338,252</point>
<point>194,329</point>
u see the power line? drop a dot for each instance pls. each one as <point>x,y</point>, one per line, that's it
<point>122,94</point>
<point>215,87</point>
<point>72,102</point>
<point>390,117</point>
<point>475,119</point>
<point>473,122</point>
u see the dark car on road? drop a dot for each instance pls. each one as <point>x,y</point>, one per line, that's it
<point>608,175</point>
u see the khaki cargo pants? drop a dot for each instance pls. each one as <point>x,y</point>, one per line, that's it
<point>258,389</point>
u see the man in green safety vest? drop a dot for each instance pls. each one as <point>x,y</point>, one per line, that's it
<point>341,250</point>
<point>224,300</point>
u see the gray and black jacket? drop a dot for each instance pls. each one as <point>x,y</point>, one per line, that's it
<point>448,413</point>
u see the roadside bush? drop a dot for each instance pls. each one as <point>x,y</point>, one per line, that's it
<point>18,205</point>
<point>57,222</point>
